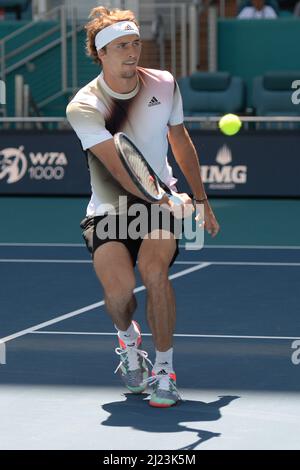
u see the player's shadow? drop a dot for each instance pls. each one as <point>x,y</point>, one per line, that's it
<point>135,412</point>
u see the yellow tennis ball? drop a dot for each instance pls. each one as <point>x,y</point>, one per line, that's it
<point>230,124</point>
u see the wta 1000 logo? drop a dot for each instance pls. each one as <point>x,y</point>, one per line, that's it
<point>15,164</point>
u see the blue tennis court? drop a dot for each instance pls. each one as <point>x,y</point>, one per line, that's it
<point>236,342</point>
<point>102,100</point>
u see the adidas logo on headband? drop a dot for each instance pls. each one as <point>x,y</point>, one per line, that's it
<point>114,31</point>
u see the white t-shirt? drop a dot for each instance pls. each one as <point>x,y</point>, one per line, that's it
<point>96,113</point>
<point>249,13</point>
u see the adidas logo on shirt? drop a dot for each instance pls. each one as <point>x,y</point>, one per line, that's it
<point>162,372</point>
<point>153,102</point>
<point>128,27</point>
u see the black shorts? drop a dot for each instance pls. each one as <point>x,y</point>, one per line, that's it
<point>89,232</point>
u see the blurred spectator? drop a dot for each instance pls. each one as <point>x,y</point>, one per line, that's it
<point>16,7</point>
<point>297,9</point>
<point>287,4</point>
<point>258,10</point>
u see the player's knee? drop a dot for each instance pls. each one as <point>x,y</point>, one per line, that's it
<point>116,286</point>
<point>154,272</point>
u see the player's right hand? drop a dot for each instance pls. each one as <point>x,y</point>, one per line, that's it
<point>183,210</point>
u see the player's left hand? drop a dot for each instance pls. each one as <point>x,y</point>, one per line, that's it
<point>206,217</point>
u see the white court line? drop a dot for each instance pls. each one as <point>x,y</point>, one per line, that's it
<point>32,260</point>
<point>240,263</point>
<point>91,307</point>
<point>239,247</point>
<point>221,263</point>
<point>179,335</point>
<point>253,247</point>
<point>63,245</point>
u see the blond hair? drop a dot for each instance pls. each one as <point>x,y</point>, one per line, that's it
<point>100,18</point>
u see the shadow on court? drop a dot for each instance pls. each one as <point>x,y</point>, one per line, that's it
<point>135,413</point>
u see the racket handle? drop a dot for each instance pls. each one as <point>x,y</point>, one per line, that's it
<point>173,196</point>
<point>181,210</point>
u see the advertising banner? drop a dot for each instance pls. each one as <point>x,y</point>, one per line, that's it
<point>42,162</point>
<point>254,163</point>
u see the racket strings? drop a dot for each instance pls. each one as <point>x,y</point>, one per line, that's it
<point>140,170</point>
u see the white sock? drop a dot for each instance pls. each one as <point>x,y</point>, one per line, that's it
<point>130,335</point>
<point>164,360</point>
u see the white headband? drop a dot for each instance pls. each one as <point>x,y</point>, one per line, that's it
<point>114,31</point>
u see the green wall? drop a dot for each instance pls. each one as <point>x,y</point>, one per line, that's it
<point>249,48</point>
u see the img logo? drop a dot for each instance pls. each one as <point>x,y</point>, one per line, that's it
<point>224,175</point>
<point>296,94</point>
<point>2,92</point>
<point>13,164</point>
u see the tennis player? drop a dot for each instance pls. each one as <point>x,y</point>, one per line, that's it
<point>146,105</point>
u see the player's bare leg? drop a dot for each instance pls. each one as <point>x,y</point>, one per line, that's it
<point>154,259</point>
<point>153,263</point>
<point>113,266</point>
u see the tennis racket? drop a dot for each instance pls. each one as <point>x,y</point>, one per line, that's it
<point>148,182</point>
<point>141,173</point>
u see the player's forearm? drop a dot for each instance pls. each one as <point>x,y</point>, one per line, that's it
<point>107,155</point>
<point>125,181</point>
<point>186,156</point>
